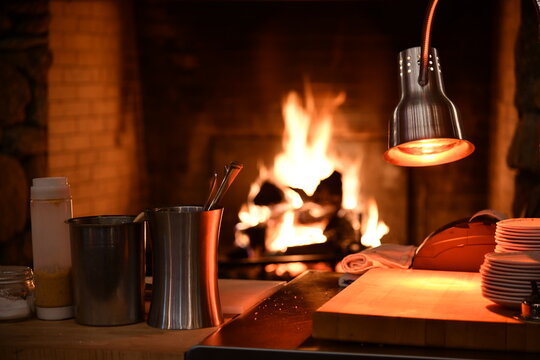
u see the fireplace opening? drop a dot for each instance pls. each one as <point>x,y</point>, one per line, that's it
<point>308,202</point>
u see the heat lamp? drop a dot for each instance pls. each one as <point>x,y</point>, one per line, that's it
<point>425,129</point>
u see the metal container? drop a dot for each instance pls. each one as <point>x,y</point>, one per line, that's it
<point>184,261</point>
<point>108,269</point>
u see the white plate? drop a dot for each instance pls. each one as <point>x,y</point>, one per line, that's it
<point>520,277</point>
<point>514,292</point>
<point>515,259</point>
<point>502,280</point>
<point>506,271</point>
<point>511,268</point>
<point>520,223</point>
<point>506,303</point>
<point>517,232</point>
<point>503,287</point>
<point>516,267</point>
<point>504,295</point>
<point>512,276</point>
<point>527,239</point>
<point>517,300</point>
<point>508,230</point>
<point>506,291</point>
<point>526,233</point>
<point>518,235</point>
<point>518,241</point>
<point>510,248</point>
<point>530,245</point>
<point>488,281</point>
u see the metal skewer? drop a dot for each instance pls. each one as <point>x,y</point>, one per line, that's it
<point>231,171</point>
<point>211,194</point>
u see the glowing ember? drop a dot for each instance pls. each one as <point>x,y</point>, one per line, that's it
<point>293,269</point>
<point>304,162</point>
<point>290,234</point>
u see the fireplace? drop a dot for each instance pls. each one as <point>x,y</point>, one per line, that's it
<point>216,74</point>
<point>202,83</point>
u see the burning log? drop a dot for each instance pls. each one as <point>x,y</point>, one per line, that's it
<point>269,194</point>
<point>319,211</point>
<point>329,191</point>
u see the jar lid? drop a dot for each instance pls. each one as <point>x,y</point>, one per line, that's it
<point>10,274</point>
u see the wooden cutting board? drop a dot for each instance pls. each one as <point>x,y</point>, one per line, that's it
<point>238,296</point>
<point>423,308</point>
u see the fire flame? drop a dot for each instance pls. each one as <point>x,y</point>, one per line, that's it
<point>290,234</point>
<point>373,229</point>
<point>302,164</point>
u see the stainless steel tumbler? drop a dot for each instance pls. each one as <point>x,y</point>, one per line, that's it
<point>108,269</point>
<point>184,261</point>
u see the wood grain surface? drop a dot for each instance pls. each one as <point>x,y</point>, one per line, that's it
<point>423,308</point>
<point>44,340</point>
<point>38,339</point>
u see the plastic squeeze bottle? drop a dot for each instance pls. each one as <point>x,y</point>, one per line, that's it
<point>50,207</point>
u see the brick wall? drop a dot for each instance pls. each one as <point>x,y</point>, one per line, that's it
<point>93,106</point>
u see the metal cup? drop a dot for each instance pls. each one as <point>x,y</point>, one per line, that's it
<point>108,269</point>
<point>184,256</point>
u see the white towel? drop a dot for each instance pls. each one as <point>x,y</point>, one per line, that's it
<point>383,256</point>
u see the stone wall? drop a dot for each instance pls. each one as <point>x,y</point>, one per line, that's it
<point>24,61</point>
<point>524,152</point>
<point>505,116</point>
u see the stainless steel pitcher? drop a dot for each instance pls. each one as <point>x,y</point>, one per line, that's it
<point>108,269</point>
<point>184,256</point>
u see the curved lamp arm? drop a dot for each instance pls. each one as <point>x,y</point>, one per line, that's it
<point>426,39</point>
<point>537,3</point>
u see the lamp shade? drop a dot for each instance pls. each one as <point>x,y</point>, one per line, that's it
<point>425,129</point>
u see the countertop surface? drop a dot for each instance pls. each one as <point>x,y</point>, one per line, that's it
<point>281,327</point>
<point>38,339</point>
<point>423,308</point>
<point>278,327</point>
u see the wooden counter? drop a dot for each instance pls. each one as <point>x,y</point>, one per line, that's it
<point>37,339</point>
<point>281,327</point>
<point>423,308</point>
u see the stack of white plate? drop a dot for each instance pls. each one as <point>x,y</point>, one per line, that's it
<point>506,277</point>
<point>521,234</point>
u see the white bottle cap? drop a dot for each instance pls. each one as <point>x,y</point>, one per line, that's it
<point>50,188</point>
<point>56,313</point>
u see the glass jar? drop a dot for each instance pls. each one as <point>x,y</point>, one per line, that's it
<point>16,293</point>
